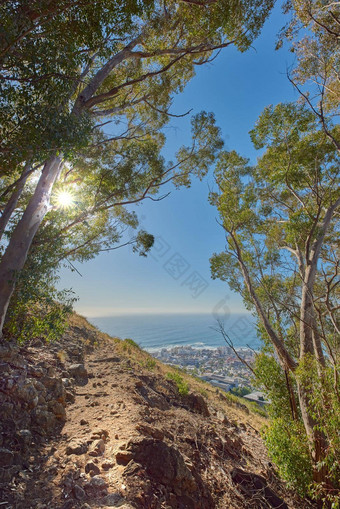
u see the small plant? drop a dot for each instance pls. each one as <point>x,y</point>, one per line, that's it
<point>62,356</point>
<point>182,386</point>
<point>132,343</point>
<point>150,363</point>
<point>203,392</point>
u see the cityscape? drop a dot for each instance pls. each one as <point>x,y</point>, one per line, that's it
<point>218,366</point>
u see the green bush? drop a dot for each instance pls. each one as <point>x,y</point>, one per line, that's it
<point>286,437</point>
<point>38,310</point>
<point>288,448</point>
<point>182,386</point>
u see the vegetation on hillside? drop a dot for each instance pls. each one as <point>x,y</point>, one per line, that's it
<point>281,223</point>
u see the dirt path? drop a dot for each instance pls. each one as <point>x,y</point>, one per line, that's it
<point>131,441</point>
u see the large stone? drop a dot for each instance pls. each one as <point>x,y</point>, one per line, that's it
<point>44,419</point>
<point>26,392</point>
<point>79,493</point>
<point>123,457</point>
<point>164,463</point>
<point>91,468</point>
<point>96,487</point>
<point>76,448</point>
<point>78,371</point>
<point>97,448</point>
<point>197,404</point>
<point>54,388</point>
<point>57,409</point>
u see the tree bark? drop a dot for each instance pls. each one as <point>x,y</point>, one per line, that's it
<point>280,348</point>
<point>16,252</point>
<point>12,202</point>
<point>317,440</point>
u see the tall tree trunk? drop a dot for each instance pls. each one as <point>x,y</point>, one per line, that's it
<point>15,255</point>
<point>310,343</point>
<point>317,440</point>
<point>12,202</point>
<point>307,313</point>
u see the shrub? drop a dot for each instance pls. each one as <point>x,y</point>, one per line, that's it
<point>182,386</point>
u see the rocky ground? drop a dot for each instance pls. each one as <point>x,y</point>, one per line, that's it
<point>92,422</point>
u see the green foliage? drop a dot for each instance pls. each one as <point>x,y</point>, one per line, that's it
<point>38,310</point>
<point>240,391</point>
<point>270,377</point>
<point>288,447</point>
<point>150,363</point>
<point>131,343</point>
<point>274,214</point>
<point>144,242</point>
<point>325,409</point>
<point>182,386</point>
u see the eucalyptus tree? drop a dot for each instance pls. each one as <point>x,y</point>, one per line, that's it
<point>108,67</point>
<point>314,34</point>
<point>280,220</point>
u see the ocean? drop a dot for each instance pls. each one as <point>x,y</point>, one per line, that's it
<point>153,332</point>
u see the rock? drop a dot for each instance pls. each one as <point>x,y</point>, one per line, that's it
<point>96,487</point>
<point>79,493</point>
<point>4,368</point>
<point>44,419</point>
<point>6,457</point>
<point>90,467</point>
<point>69,504</point>
<point>83,422</point>
<point>54,388</point>
<point>76,448</point>
<point>100,433</point>
<point>97,448</point>
<point>197,403</point>
<point>163,462</point>
<point>123,457</point>
<point>150,430</point>
<point>254,487</point>
<point>78,371</point>
<point>222,417</point>
<point>152,398</point>
<point>106,465</point>
<point>57,409</point>
<point>25,437</point>
<point>113,500</point>
<point>26,392</point>
<point>70,397</point>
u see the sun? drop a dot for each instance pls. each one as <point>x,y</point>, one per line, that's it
<point>65,199</point>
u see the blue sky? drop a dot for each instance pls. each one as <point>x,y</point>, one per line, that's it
<point>176,276</point>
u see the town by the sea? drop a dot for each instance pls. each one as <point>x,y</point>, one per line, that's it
<point>191,341</point>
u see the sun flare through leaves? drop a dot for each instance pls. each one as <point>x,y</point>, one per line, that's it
<point>65,199</point>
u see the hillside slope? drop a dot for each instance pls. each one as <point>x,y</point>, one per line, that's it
<point>128,438</point>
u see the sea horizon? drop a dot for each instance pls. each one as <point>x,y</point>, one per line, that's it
<point>168,330</point>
